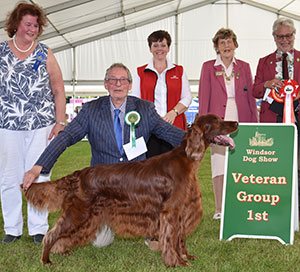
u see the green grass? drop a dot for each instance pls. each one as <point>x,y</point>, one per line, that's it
<point>132,255</point>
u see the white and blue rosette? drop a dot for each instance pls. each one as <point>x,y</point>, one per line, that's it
<point>132,118</point>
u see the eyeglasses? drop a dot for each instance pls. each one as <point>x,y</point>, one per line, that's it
<point>123,81</point>
<point>288,36</point>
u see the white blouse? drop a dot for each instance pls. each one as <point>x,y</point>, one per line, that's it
<point>160,92</point>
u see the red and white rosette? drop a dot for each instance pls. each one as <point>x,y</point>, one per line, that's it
<point>286,94</point>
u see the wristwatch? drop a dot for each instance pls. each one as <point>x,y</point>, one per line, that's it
<point>61,123</point>
<point>176,111</point>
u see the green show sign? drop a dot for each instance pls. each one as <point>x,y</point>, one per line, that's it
<point>260,181</point>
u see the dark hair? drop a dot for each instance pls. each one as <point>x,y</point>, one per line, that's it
<point>159,35</point>
<point>14,18</point>
<point>118,65</point>
<point>224,33</point>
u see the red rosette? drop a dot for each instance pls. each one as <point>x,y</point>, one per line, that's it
<point>286,94</point>
<point>276,96</point>
<point>290,87</point>
<point>289,92</point>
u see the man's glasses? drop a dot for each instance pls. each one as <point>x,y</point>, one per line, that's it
<point>288,36</point>
<point>123,81</point>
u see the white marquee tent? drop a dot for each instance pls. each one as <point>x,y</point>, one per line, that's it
<point>87,36</point>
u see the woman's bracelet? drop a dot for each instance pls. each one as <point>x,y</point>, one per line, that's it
<point>61,123</point>
<point>176,111</point>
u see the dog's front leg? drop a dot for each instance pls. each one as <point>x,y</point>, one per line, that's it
<point>169,238</point>
<point>183,251</point>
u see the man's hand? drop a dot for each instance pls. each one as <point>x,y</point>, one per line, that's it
<point>274,83</point>
<point>31,175</point>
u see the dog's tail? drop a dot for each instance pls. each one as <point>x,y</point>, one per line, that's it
<point>45,195</point>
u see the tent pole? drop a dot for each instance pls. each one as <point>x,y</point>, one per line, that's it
<point>227,14</point>
<point>176,32</point>
<point>176,38</point>
<point>74,77</point>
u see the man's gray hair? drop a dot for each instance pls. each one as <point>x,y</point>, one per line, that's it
<point>282,21</point>
<point>118,65</point>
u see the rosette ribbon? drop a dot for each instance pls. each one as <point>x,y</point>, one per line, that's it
<point>38,61</point>
<point>286,94</point>
<point>132,118</point>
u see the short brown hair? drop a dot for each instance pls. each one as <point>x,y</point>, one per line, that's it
<point>159,35</point>
<point>224,33</point>
<point>14,18</point>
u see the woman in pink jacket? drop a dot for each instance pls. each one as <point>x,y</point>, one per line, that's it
<point>225,89</point>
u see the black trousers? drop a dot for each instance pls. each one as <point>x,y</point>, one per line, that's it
<point>157,146</point>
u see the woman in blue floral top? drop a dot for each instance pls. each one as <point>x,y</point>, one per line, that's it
<point>32,112</point>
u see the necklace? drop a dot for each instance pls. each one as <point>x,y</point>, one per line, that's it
<point>20,50</point>
<point>228,78</point>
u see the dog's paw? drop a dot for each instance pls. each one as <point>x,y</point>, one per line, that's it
<point>47,262</point>
<point>67,252</point>
<point>153,244</point>
<point>189,257</point>
<point>182,262</point>
<point>176,261</point>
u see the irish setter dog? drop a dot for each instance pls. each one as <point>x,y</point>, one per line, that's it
<point>158,197</point>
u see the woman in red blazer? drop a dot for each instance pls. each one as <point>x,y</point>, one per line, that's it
<point>225,89</point>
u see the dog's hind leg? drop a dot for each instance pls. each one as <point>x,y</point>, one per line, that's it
<point>50,239</point>
<point>64,234</point>
<point>80,235</point>
<point>62,246</point>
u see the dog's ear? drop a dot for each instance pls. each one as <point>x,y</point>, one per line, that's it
<point>195,147</point>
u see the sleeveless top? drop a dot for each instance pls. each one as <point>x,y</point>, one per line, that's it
<point>26,100</point>
<point>148,79</point>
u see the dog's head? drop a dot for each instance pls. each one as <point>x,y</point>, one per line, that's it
<point>208,129</point>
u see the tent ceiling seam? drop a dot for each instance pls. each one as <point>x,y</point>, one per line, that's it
<point>104,19</point>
